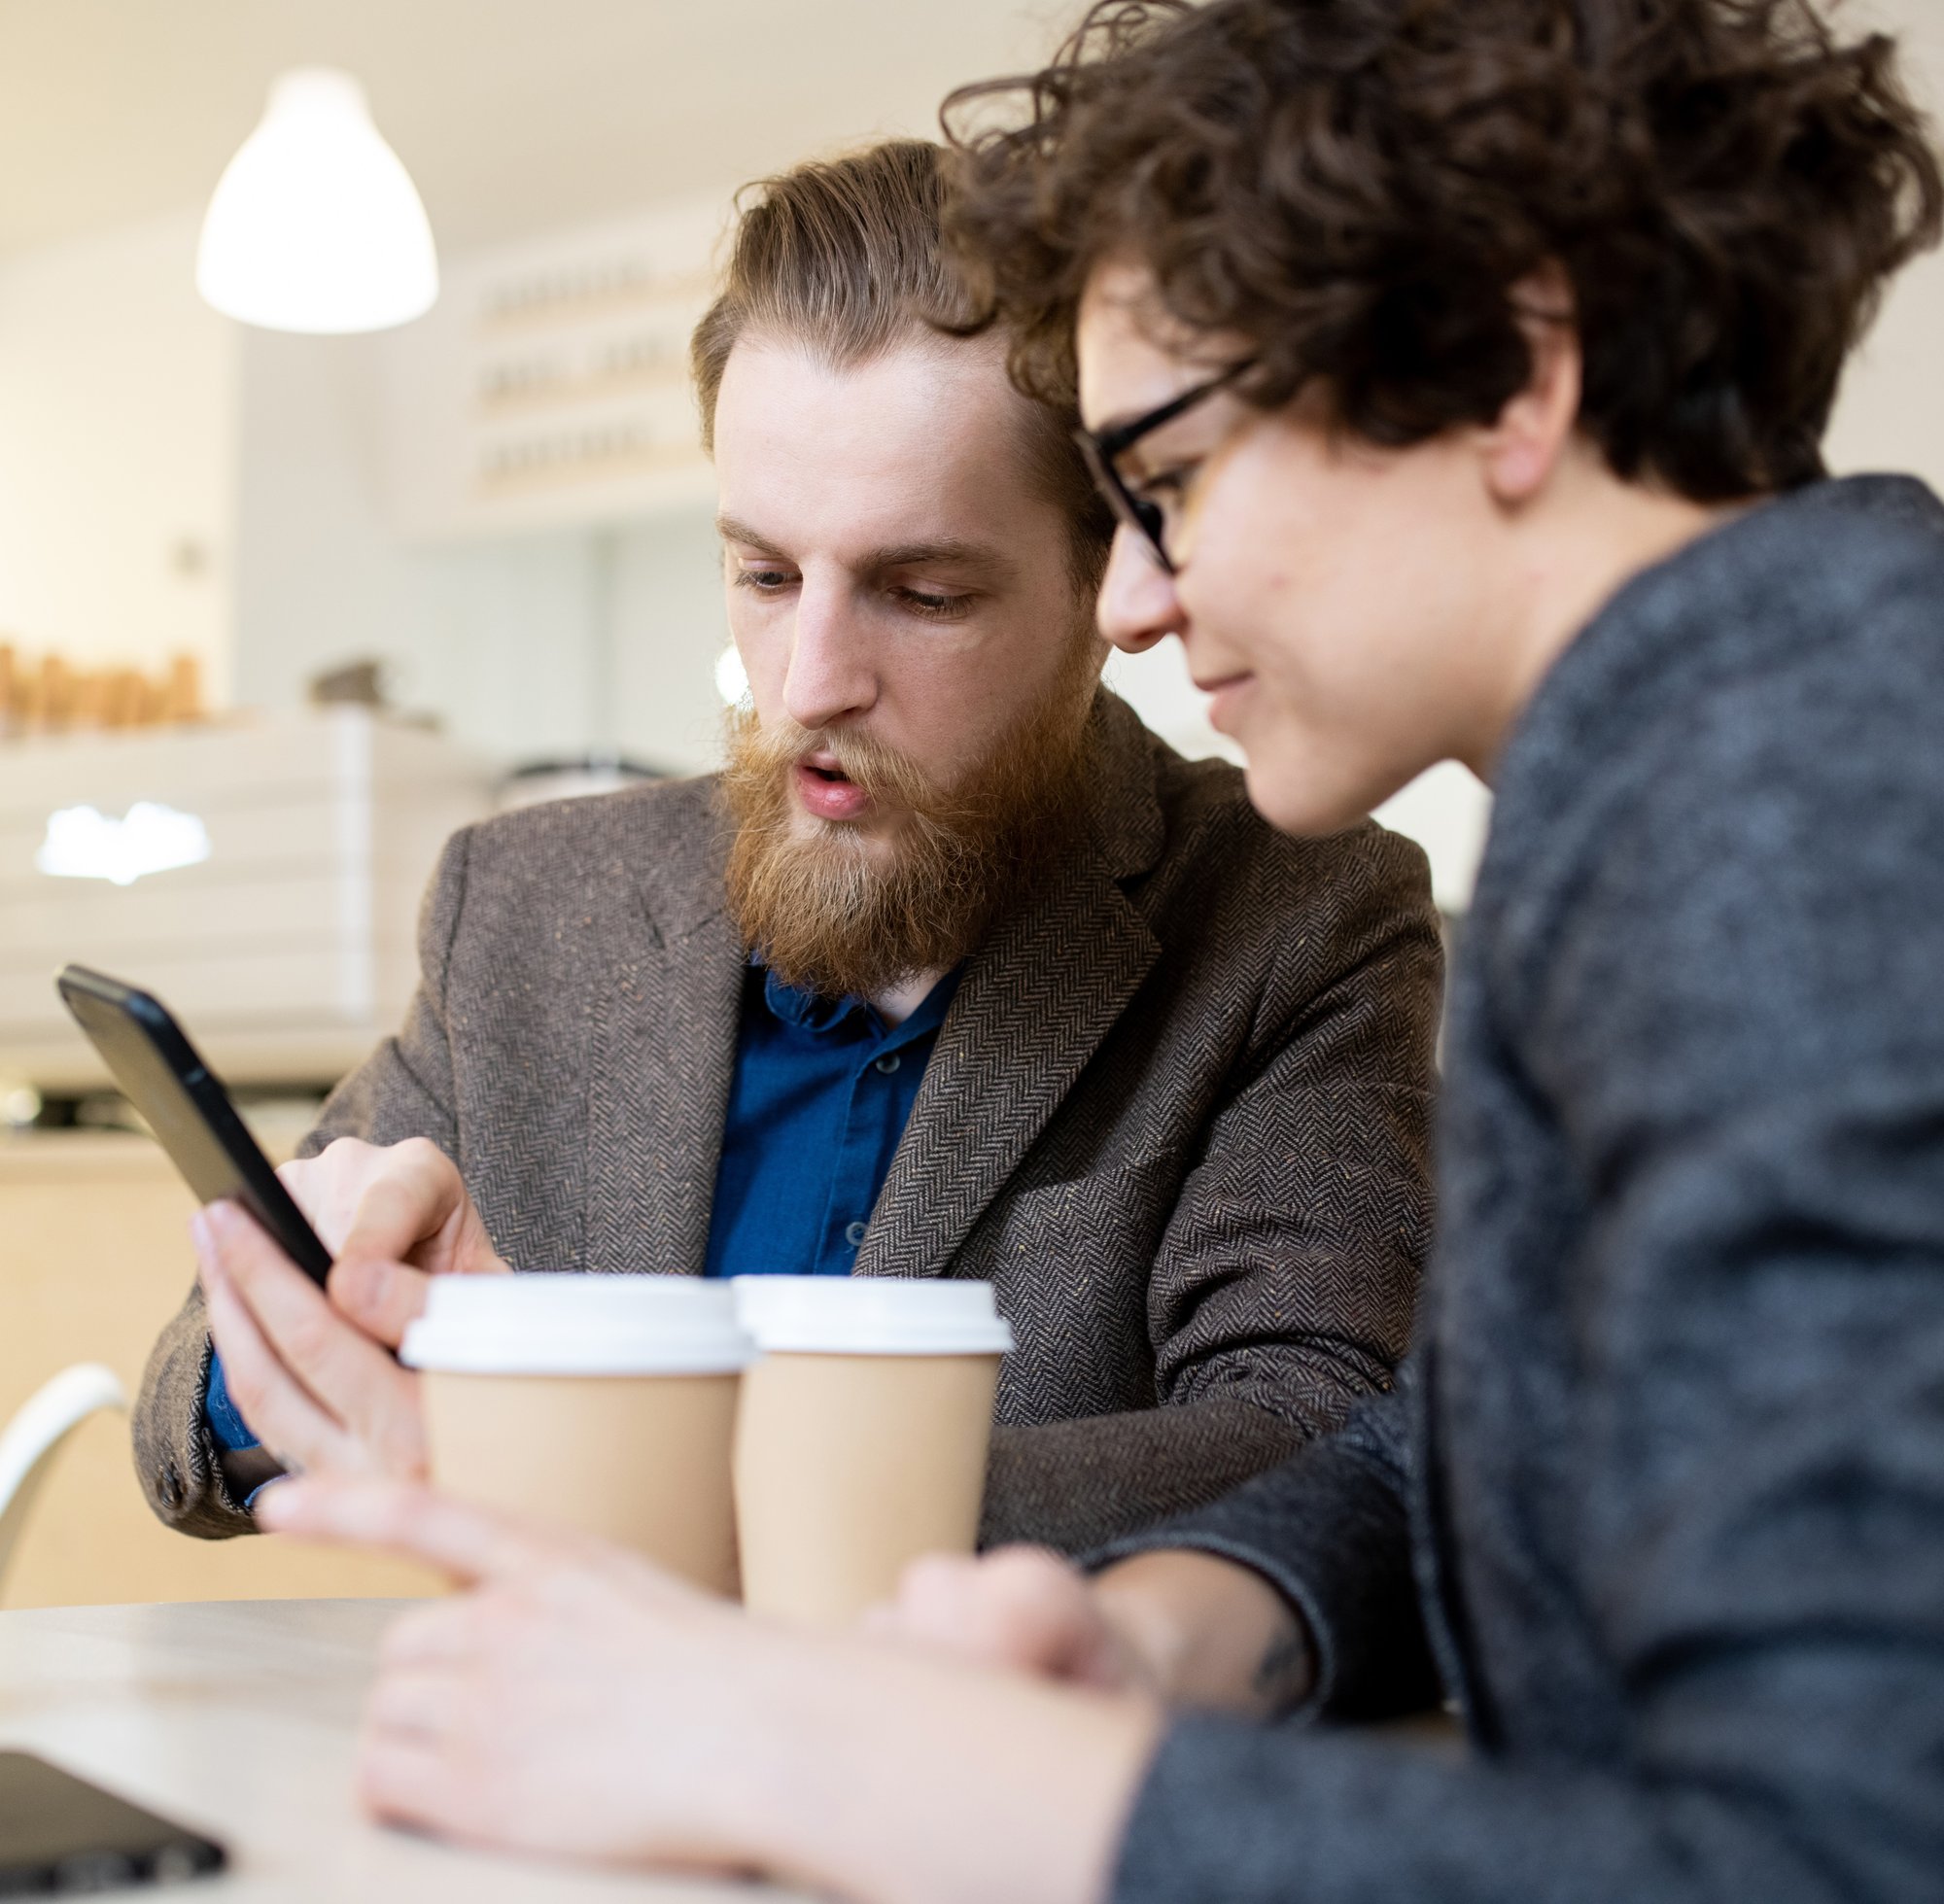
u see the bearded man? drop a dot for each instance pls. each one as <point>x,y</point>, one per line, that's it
<point>955,971</point>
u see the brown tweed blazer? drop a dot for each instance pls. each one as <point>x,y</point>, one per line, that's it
<point>1177,1114</point>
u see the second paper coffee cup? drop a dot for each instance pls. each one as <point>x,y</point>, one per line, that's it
<point>606,1403</point>
<point>863,1437</point>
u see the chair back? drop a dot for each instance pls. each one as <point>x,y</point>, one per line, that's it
<point>42,1422</point>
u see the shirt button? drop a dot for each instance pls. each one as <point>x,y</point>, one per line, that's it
<point>888,1063</point>
<point>854,1235</point>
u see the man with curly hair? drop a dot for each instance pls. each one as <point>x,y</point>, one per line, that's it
<point>1456,369</point>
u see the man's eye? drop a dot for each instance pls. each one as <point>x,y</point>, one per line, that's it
<point>933,607</point>
<point>766,581</point>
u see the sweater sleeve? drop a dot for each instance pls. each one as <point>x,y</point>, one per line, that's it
<point>1329,1530</point>
<point>1774,1608</point>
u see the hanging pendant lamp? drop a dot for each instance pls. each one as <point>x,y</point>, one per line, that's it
<point>315,224</point>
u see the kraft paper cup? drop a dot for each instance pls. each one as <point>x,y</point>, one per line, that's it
<point>861,1437</point>
<point>606,1403</point>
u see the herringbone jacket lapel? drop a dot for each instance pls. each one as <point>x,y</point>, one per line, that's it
<point>1037,1000</point>
<point>662,1050</point>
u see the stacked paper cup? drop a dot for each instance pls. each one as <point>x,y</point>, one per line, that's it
<point>603,1402</point>
<point>863,1434</point>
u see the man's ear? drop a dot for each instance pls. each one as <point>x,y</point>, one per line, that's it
<point>1519,451</point>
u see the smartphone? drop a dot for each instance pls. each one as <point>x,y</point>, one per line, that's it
<point>59,1833</point>
<point>188,1108</point>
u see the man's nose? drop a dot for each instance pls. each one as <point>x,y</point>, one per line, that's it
<point>832,676</point>
<point>1138,606</point>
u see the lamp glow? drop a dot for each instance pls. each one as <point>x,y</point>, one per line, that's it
<point>732,679</point>
<point>82,844</point>
<point>315,224</point>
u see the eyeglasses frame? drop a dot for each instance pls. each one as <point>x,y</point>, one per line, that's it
<point>1099,448</point>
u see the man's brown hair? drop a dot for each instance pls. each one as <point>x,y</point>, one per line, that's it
<point>1356,189</point>
<point>846,255</point>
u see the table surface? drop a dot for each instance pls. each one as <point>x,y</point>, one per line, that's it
<point>239,1720</point>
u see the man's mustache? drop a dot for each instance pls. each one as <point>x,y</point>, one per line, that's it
<point>881,771</point>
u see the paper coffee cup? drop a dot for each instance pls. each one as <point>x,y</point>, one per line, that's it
<point>862,1434</point>
<point>606,1403</point>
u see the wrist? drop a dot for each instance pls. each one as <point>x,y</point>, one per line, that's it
<point>1153,1621</point>
<point>1206,1630</point>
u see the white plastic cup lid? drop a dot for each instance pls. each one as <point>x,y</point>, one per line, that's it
<point>548,1323</point>
<point>871,1315</point>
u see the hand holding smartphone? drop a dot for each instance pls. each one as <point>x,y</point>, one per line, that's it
<point>161,1074</point>
<point>326,1393</point>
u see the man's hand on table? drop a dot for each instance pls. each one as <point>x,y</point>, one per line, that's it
<point>1174,1625</point>
<point>312,1372</point>
<point>576,1702</point>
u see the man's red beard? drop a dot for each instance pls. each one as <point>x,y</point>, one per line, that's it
<point>843,916</point>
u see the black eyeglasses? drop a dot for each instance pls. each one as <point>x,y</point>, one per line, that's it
<point>1142,513</point>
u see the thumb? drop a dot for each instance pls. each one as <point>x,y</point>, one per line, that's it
<point>381,1297</point>
<point>419,1199</point>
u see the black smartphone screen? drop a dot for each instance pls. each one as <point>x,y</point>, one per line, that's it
<point>187,1107</point>
<point>59,1833</point>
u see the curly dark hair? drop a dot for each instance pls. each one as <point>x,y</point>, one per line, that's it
<point>1357,187</point>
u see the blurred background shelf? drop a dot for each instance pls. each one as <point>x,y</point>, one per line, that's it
<point>289,946</point>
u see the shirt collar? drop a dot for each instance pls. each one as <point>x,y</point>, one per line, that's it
<point>809,1011</point>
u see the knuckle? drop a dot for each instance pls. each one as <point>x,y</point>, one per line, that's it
<point>394,1519</point>
<point>422,1156</point>
<point>357,1282</point>
<point>398,1440</point>
<point>309,1339</point>
<point>918,1578</point>
<point>1038,1580</point>
<point>247,1391</point>
<point>1027,1564</point>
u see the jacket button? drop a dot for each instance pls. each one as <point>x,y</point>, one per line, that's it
<point>168,1484</point>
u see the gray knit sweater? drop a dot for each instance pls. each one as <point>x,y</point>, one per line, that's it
<point>1662,1499</point>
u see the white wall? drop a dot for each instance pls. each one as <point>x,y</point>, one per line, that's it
<point>118,406</point>
<point>532,646</point>
<point>492,636</point>
<point>1892,412</point>
<point>670,629</point>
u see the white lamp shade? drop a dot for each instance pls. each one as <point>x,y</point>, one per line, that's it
<point>315,224</point>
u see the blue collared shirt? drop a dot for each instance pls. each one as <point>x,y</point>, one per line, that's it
<point>821,1093</point>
